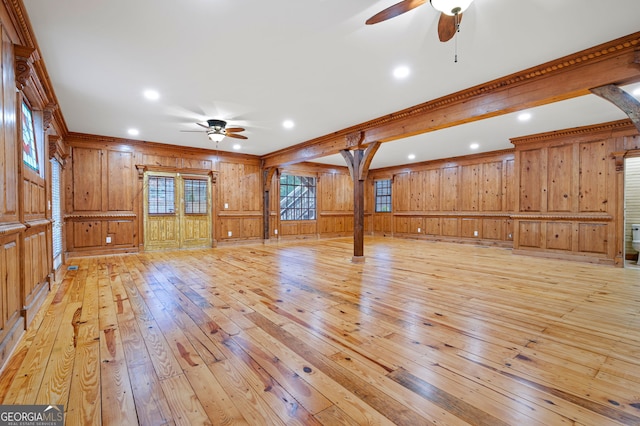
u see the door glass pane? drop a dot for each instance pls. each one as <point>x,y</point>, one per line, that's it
<point>161,195</point>
<point>195,196</point>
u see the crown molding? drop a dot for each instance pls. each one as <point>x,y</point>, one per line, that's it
<point>22,26</point>
<point>603,129</point>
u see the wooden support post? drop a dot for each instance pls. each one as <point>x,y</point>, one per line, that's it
<point>358,163</point>
<point>267,177</point>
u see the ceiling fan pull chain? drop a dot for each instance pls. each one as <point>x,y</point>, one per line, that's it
<point>455,41</point>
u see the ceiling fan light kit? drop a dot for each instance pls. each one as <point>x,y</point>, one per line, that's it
<point>450,7</point>
<point>217,130</point>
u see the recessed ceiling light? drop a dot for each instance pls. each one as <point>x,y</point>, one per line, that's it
<point>524,116</point>
<point>401,72</point>
<point>152,95</point>
<point>411,156</point>
<point>474,146</point>
<point>133,132</point>
<point>287,124</point>
<point>237,146</point>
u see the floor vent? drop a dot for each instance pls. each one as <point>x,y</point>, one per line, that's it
<point>72,268</point>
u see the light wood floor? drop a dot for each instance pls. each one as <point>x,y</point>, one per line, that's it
<point>294,333</point>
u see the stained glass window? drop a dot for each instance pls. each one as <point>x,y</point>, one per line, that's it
<point>29,150</point>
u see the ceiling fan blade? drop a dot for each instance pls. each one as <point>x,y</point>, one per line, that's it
<point>202,125</point>
<point>395,10</point>
<point>234,135</point>
<point>447,26</point>
<point>235,129</point>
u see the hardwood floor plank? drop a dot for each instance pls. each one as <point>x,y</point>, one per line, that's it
<point>56,381</point>
<point>151,404</point>
<point>186,408</point>
<point>243,396</point>
<point>213,397</point>
<point>266,387</point>
<point>85,404</point>
<point>118,405</point>
<point>28,379</point>
<point>381,402</point>
<point>255,344</point>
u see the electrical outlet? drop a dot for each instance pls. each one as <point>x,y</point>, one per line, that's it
<point>419,229</point>
<point>226,205</point>
<point>475,233</point>
<point>510,236</point>
<point>229,233</point>
<point>108,240</point>
<point>275,231</point>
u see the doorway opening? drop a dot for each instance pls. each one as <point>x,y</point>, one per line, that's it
<point>631,208</point>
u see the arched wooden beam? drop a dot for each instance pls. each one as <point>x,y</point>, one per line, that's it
<point>267,175</point>
<point>371,150</point>
<point>623,100</point>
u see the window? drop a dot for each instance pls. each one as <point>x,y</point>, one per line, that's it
<point>161,195</point>
<point>56,213</point>
<point>383,195</point>
<point>29,149</point>
<point>297,197</point>
<point>195,196</point>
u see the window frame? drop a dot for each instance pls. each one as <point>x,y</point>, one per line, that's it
<point>383,202</point>
<point>165,203</point>
<point>203,189</point>
<point>305,207</point>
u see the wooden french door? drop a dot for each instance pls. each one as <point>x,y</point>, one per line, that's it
<point>177,211</point>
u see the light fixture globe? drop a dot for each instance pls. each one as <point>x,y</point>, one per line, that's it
<point>216,135</point>
<point>450,7</point>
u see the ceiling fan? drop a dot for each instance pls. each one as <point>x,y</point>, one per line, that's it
<point>450,14</point>
<point>217,129</point>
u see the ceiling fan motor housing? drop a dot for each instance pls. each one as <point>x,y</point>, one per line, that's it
<point>217,123</point>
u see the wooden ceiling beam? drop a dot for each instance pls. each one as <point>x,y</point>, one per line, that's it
<point>616,62</point>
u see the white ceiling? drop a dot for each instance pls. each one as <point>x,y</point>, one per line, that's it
<point>256,63</point>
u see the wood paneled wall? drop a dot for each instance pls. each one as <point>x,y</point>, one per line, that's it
<point>570,185</point>
<point>558,194</point>
<point>101,190</point>
<point>465,199</point>
<point>240,202</point>
<point>25,228</point>
<point>104,192</point>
